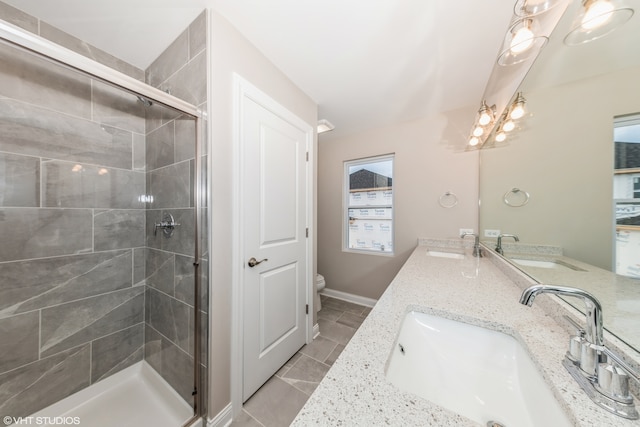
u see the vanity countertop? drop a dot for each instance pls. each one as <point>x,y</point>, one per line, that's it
<point>355,391</point>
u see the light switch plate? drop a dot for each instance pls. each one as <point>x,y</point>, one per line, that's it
<point>491,233</point>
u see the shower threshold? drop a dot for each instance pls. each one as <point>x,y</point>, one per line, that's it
<point>136,396</point>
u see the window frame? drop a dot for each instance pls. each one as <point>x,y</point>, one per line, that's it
<point>346,206</point>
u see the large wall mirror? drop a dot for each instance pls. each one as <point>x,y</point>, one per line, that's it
<point>560,160</point>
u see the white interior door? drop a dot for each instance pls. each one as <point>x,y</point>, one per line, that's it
<point>274,222</point>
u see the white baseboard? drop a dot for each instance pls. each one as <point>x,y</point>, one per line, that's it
<point>316,331</point>
<point>222,419</point>
<point>356,299</point>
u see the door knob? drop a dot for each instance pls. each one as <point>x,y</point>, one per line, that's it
<point>253,262</point>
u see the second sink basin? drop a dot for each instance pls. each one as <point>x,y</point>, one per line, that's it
<point>476,372</point>
<point>553,264</point>
<point>442,254</point>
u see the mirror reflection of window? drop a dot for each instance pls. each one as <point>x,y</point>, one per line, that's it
<point>626,194</point>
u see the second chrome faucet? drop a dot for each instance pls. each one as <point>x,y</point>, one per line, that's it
<point>499,245</point>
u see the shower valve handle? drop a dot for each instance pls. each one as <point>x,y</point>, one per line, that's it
<point>167,225</point>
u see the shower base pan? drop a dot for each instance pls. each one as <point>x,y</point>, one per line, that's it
<point>136,396</point>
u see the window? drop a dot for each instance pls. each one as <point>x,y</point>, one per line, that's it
<point>369,205</point>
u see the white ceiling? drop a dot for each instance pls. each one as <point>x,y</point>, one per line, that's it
<point>366,63</point>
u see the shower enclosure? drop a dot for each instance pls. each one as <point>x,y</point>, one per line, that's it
<point>103,285</point>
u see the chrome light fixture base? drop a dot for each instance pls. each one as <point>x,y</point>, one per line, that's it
<point>524,8</point>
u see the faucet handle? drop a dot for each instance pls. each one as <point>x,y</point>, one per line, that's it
<point>613,382</point>
<point>576,342</point>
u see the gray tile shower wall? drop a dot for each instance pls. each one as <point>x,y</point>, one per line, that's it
<point>170,180</point>
<point>86,288</point>
<point>72,260</point>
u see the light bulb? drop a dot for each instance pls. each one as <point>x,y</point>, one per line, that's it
<point>508,126</point>
<point>517,112</point>
<point>484,119</point>
<point>478,131</point>
<point>473,141</point>
<point>517,108</point>
<point>501,136</point>
<point>522,39</point>
<point>597,14</point>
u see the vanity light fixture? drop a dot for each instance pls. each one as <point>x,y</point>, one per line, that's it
<point>325,126</point>
<point>525,8</point>
<point>473,141</point>
<point>596,19</point>
<point>485,114</point>
<point>478,131</point>
<point>517,108</point>
<point>521,42</point>
<point>501,136</point>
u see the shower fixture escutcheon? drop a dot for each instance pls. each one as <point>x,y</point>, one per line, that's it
<point>168,224</point>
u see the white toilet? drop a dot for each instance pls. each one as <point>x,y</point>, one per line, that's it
<point>320,284</point>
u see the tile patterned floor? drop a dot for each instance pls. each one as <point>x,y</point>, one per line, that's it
<point>280,399</point>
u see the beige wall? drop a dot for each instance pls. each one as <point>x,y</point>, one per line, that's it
<point>564,158</point>
<point>230,53</point>
<point>429,161</point>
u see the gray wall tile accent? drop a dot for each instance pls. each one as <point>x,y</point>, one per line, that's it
<point>198,35</point>
<point>79,185</point>
<point>158,116</point>
<point>112,106</point>
<point>139,266</point>
<point>35,386</point>
<point>117,351</point>
<point>20,178</point>
<point>175,366</point>
<point>27,78</point>
<point>19,18</point>
<point>160,267</point>
<point>181,242</point>
<point>160,147</point>
<point>169,316</point>
<point>83,48</point>
<point>139,152</point>
<point>19,338</point>
<point>30,130</point>
<point>184,279</point>
<point>36,232</point>
<point>39,283</point>
<point>118,229</point>
<point>78,322</point>
<point>170,186</point>
<point>190,82</point>
<point>169,61</point>
<point>185,134</point>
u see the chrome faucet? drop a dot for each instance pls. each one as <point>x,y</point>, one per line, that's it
<point>499,245</point>
<point>598,371</point>
<point>477,252</point>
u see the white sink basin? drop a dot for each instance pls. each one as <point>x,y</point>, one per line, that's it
<point>543,264</point>
<point>441,254</point>
<point>476,372</point>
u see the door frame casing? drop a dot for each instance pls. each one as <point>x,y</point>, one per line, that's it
<point>243,89</point>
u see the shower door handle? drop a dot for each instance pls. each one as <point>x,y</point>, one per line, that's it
<point>253,262</point>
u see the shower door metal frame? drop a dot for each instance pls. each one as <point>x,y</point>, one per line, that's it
<point>41,47</point>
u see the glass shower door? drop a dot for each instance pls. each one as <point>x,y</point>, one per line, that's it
<point>97,286</point>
